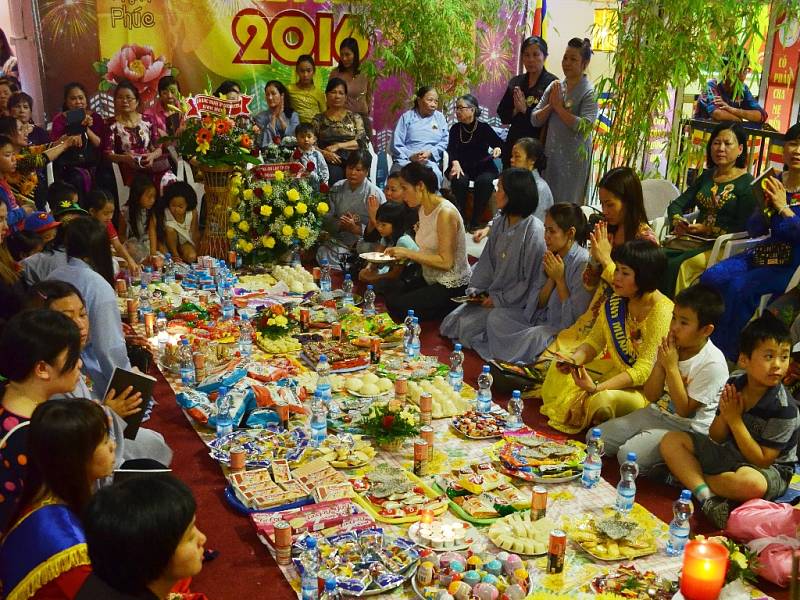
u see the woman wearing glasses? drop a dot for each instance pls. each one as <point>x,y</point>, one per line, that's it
<point>472,146</point>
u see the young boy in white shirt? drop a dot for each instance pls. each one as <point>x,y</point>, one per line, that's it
<point>684,387</point>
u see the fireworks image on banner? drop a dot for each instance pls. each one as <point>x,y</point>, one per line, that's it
<point>68,20</point>
<point>228,8</point>
<point>495,54</point>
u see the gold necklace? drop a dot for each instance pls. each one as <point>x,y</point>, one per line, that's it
<point>470,132</point>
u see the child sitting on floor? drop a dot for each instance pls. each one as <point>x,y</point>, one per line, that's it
<point>307,145</point>
<point>750,449</point>
<point>136,216</point>
<point>100,205</point>
<point>685,384</point>
<point>392,225</point>
<point>176,226</point>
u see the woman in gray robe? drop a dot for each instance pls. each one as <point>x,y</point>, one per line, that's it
<point>506,271</point>
<point>569,109</point>
<point>521,334</point>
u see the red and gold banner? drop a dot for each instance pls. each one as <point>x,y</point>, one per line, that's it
<point>782,78</point>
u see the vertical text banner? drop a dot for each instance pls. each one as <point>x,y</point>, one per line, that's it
<point>782,78</point>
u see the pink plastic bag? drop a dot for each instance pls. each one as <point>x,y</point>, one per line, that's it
<point>770,529</point>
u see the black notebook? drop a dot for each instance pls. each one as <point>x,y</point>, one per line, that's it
<point>141,383</point>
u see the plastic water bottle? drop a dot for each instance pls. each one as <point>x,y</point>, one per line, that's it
<point>331,591</point>
<point>514,420</point>
<point>483,403</point>
<point>319,420</point>
<point>369,302</point>
<point>245,337</point>
<point>324,379</point>
<point>186,361</point>
<point>224,418</point>
<point>169,269</point>
<point>413,349</point>
<point>161,332</point>
<point>294,259</point>
<point>593,463</point>
<point>325,286</point>
<point>456,376</point>
<point>347,290</point>
<point>227,301</point>
<point>309,561</point>
<point>626,488</point>
<point>145,305</point>
<point>408,333</point>
<point>679,529</point>
<point>146,276</point>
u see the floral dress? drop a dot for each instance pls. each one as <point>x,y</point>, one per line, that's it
<point>138,141</point>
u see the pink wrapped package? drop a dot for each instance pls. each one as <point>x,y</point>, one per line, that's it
<point>771,530</point>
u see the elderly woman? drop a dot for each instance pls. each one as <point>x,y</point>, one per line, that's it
<point>338,130</point>
<point>359,92</point>
<point>131,138</point>
<point>421,134</point>
<point>569,109</point>
<point>724,199</point>
<point>523,94</point>
<point>506,274</point>
<point>280,119</point>
<point>473,146</point>
<point>442,249</point>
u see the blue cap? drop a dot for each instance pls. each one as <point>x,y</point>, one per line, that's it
<point>369,287</point>
<point>330,584</point>
<point>632,456</point>
<point>516,394</point>
<point>311,542</point>
<point>457,347</point>
<point>221,391</point>
<point>347,276</point>
<point>686,495</point>
<point>411,312</point>
<point>323,262</point>
<point>597,432</point>
<point>486,368</point>
<point>323,357</point>
<point>39,222</point>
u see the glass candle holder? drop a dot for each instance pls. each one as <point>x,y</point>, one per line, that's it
<point>705,564</point>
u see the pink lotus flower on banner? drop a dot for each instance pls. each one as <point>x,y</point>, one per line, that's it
<point>139,65</point>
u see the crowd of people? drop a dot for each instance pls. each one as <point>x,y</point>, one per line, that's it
<point>631,337</point>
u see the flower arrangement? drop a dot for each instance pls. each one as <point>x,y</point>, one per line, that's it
<point>139,65</point>
<point>280,150</point>
<point>273,322</point>
<point>269,216</point>
<point>215,141</point>
<point>387,422</point>
<point>742,562</point>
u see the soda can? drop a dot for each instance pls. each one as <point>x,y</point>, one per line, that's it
<point>283,543</point>
<point>375,350</point>
<point>199,366</point>
<point>556,551</point>
<point>304,319</point>
<point>316,273</point>
<point>232,258</point>
<point>149,324</point>
<point>122,287</point>
<point>426,433</point>
<point>237,458</point>
<point>133,316</point>
<point>400,387</point>
<point>420,457</point>
<point>336,331</point>
<point>425,408</point>
<point>538,503</point>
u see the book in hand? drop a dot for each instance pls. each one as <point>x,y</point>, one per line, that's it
<point>120,381</point>
<point>758,187</point>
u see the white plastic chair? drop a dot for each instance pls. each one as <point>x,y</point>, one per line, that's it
<point>123,191</point>
<point>658,194</point>
<point>373,167</point>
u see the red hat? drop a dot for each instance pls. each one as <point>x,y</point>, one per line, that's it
<point>39,222</point>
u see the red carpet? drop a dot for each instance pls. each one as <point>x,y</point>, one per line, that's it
<point>245,569</point>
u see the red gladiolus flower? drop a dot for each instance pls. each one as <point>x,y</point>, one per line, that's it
<point>258,192</point>
<point>324,187</point>
<point>296,154</point>
<point>295,167</point>
<point>310,166</point>
<point>276,139</point>
<point>388,421</point>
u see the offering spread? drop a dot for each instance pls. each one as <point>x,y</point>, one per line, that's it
<point>479,494</point>
<point>345,451</point>
<point>480,426</point>
<point>446,402</point>
<point>540,459</point>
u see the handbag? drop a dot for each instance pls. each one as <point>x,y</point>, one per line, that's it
<point>772,254</point>
<point>684,243</point>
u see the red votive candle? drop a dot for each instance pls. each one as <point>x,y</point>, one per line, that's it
<point>704,566</point>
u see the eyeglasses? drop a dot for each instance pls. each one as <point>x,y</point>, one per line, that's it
<point>465,108</point>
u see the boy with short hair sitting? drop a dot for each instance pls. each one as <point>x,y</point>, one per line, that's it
<point>684,387</point>
<point>751,447</point>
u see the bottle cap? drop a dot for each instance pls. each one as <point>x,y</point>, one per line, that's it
<point>486,368</point>
<point>311,542</point>
<point>686,495</point>
<point>324,262</point>
<point>323,358</point>
<point>347,277</point>
<point>632,456</point>
<point>221,391</point>
<point>457,347</point>
<point>330,584</point>
<point>597,432</point>
<point>369,287</point>
<point>516,394</point>
<point>410,312</point>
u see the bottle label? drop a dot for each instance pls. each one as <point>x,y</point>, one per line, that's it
<point>625,500</point>
<point>590,476</point>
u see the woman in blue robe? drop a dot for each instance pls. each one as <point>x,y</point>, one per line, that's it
<point>421,134</point>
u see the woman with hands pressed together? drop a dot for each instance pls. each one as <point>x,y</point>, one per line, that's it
<point>630,327</point>
<point>767,268</point>
<point>569,109</point>
<point>442,249</point>
<point>559,297</point>
<point>506,273</point>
